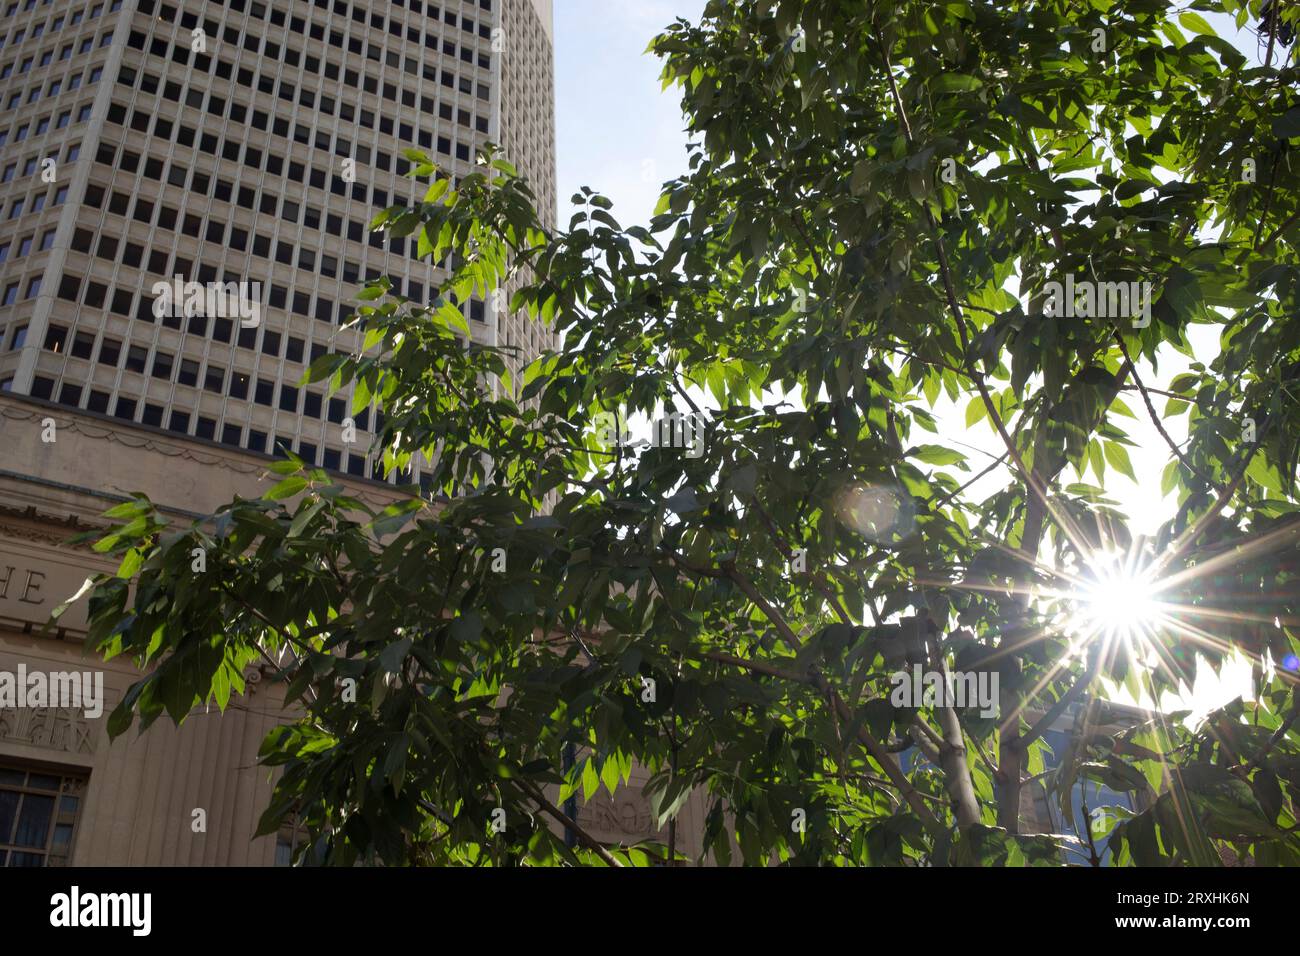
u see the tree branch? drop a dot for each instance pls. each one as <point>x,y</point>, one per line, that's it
<point>563,818</point>
<point>758,667</point>
<point>1278,735</point>
<point>1155,418</point>
<point>872,745</point>
<point>1044,723</point>
<point>952,752</point>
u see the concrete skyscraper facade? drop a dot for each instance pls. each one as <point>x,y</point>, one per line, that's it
<point>245,140</point>
<point>232,141</point>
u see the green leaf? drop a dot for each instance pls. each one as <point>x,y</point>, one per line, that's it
<point>131,562</point>
<point>1196,23</point>
<point>936,455</point>
<point>392,656</point>
<point>466,627</point>
<point>287,488</point>
<point>948,82</point>
<point>1117,457</point>
<point>129,509</point>
<point>1287,126</point>
<point>304,517</point>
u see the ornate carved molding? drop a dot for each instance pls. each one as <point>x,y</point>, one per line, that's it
<point>180,448</point>
<point>627,813</point>
<point>131,439</point>
<point>27,533</point>
<point>53,728</point>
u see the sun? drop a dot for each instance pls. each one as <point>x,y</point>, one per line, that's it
<point>1121,605</point>
<point>1117,602</point>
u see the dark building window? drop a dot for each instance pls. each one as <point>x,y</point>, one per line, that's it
<point>162,366</point>
<point>56,338</point>
<point>83,345</point>
<point>110,350</point>
<point>39,810</point>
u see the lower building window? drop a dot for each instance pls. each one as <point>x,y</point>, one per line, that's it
<point>38,815</point>
<point>289,841</point>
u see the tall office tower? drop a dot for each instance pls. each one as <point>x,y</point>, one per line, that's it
<point>240,141</point>
<point>527,125</point>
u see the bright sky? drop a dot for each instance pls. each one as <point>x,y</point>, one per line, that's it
<point>621,136</point>
<point>616,132</point>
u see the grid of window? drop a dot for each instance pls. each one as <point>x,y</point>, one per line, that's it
<point>528,139</point>
<point>258,156</point>
<point>44,77</point>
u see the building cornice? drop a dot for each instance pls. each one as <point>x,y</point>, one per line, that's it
<point>58,485</point>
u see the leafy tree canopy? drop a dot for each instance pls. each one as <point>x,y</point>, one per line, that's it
<point>879,198</point>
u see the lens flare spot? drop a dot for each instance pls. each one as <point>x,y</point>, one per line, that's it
<point>878,513</point>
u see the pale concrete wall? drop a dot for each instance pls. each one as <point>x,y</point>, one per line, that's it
<point>546,13</point>
<point>142,789</point>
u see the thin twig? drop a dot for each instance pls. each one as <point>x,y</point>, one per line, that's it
<point>1155,418</point>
